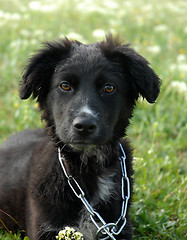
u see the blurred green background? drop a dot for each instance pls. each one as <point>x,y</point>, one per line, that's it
<point>157,29</point>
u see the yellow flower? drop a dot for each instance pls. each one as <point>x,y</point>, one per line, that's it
<point>16,105</point>
<point>36,105</point>
<point>181,75</point>
<point>68,234</point>
<point>181,51</point>
<point>145,42</point>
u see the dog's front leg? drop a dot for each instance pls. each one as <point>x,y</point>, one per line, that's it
<point>37,227</point>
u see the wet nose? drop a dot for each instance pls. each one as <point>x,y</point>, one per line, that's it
<point>84,126</point>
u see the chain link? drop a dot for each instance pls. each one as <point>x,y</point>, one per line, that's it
<point>105,230</point>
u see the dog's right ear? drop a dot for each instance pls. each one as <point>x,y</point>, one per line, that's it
<point>39,71</point>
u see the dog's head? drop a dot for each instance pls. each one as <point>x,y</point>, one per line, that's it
<point>88,92</point>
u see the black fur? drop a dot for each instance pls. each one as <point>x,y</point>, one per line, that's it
<point>70,81</point>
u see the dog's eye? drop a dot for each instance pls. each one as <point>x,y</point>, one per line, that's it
<point>109,88</point>
<point>65,86</point>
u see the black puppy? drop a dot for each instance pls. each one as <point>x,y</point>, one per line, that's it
<point>87,94</point>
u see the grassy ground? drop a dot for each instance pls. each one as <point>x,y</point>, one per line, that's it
<point>158,30</point>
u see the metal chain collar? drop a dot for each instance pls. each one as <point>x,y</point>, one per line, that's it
<point>105,230</point>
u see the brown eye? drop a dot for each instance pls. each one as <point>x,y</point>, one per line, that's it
<point>65,86</point>
<point>109,88</point>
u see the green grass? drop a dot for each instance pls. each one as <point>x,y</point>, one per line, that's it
<point>158,30</point>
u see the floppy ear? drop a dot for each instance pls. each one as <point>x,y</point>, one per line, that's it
<point>40,68</point>
<point>136,68</point>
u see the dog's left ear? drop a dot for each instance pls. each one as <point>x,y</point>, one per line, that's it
<point>39,71</point>
<point>136,68</point>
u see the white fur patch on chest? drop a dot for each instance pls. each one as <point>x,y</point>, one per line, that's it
<point>106,188</point>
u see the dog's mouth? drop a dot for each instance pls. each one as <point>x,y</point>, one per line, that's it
<point>81,146</point>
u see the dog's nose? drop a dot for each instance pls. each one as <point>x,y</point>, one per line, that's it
<point>85,126</point>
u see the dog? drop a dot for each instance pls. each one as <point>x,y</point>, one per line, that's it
<point>86,94</point>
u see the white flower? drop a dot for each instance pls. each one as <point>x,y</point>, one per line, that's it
<point>181,67</point>
<point>38,32</point>
<point>34,5</point>
<point>37,6</point>
<point>15,16</point>
<point>75,36</point>
<point>174,8</point>
<point>128,4</point>
<point>185,30</point>
<point>25,32</point>
<point>181,58</point>
<point>99,33</point>
<point>111,4</point>
<point>90,7</point>
<point>10,16</point>
<point>161,28</point>
<point>180,87</point>
<point>150,151</point>
<point>69,233</point>
<point>147,8</point>
<point>154,49</point>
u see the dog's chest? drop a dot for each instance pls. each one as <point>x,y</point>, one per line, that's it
<point>107,189</point>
